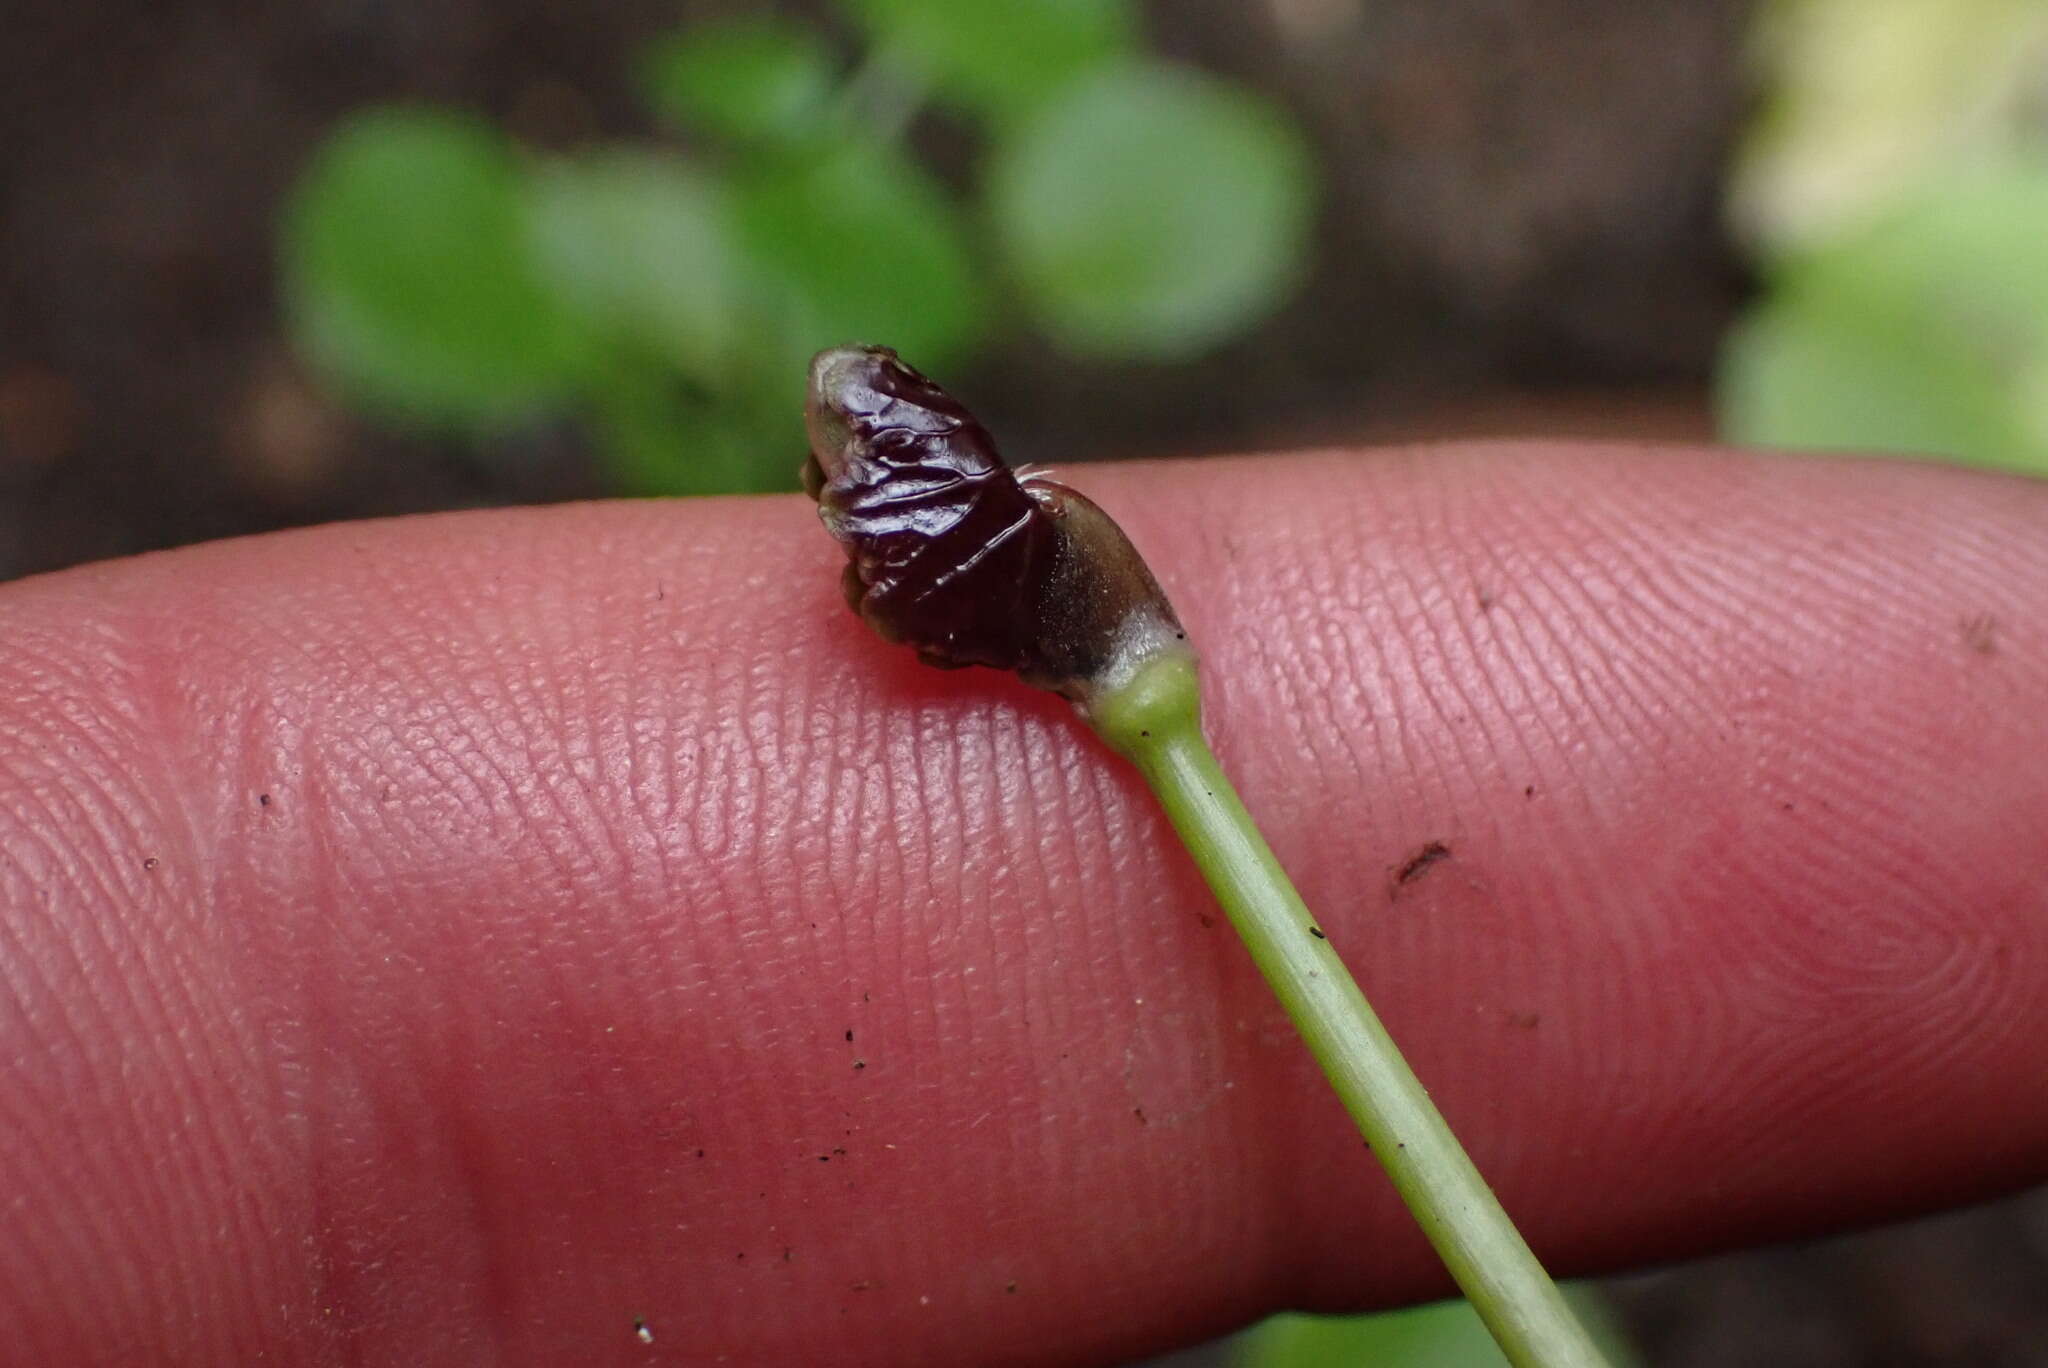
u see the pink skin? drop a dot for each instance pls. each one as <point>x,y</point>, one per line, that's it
<point>519,1010</point>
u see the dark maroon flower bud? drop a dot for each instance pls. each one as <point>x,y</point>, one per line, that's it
<point>953,554</point>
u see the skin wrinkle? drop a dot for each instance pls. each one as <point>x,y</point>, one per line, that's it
<point>290,872</point>
<point>1440,676</point>
<point>1613,541</point>
<point>107,976</point>
<point>1881,820</point>
<point>1596,766</point>
<point>1501,705</point>
<point>1038,816</point>
<point>1362,625</point>
<point>1649,678</point>
<point>146,978</point>
<point>1441,621</point>
<point>599,733</point>
<point>1412,668</point>
<point>25,1151</point>
<point>486,1179</point>
<point>883,859</point>
<point>1715,1016</point>
<point>518,1022</point>
<point>1531,706</point>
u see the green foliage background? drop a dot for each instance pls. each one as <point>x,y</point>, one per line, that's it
<point>1895,192</point>
<point>444,277</point>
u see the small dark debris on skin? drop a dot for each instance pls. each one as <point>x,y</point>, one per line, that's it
<point>262,800</point>
<point>1317,932</point>
<point>1207,921</point>
<point>1010,1288</point>
<point>1980,633</point>
<point>849,1035</point>
<point>1529,792</point>
<point>1139,1112</point>
<point>150,862</point>
<point>1416,865</point>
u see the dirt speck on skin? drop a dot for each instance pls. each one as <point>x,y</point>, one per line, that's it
<point>1980,633</point>
<point>1416,865</point>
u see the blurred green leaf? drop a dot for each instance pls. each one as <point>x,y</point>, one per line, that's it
<point>1001,60</point>
<point>1446,1334</point>
<point>658,439</point>
<point>1925,333</point>
<point>638,244</point>
<point>859,244</point>
<point>1819,373</point>
<point>439,276</point>
<point>406,275</point>
<point>1152,212</point>
<point>751,78</point>
<point>1861,100</point>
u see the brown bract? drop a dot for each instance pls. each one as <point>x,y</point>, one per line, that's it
<point>950,552</point>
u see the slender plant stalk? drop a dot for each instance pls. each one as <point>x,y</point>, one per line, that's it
<point>950,552</point>
<point>1155,720</point>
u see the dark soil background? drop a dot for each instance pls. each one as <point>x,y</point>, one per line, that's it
<point>1520,234</point>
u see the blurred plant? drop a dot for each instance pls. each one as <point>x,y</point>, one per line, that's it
<point>1447,1334</point>
<point>1895,189</point>
<point>444,277</point>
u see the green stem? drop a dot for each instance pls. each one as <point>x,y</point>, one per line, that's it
<point>1154,718</point>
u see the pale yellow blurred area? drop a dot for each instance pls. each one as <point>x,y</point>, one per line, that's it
<point>1861,100</point>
